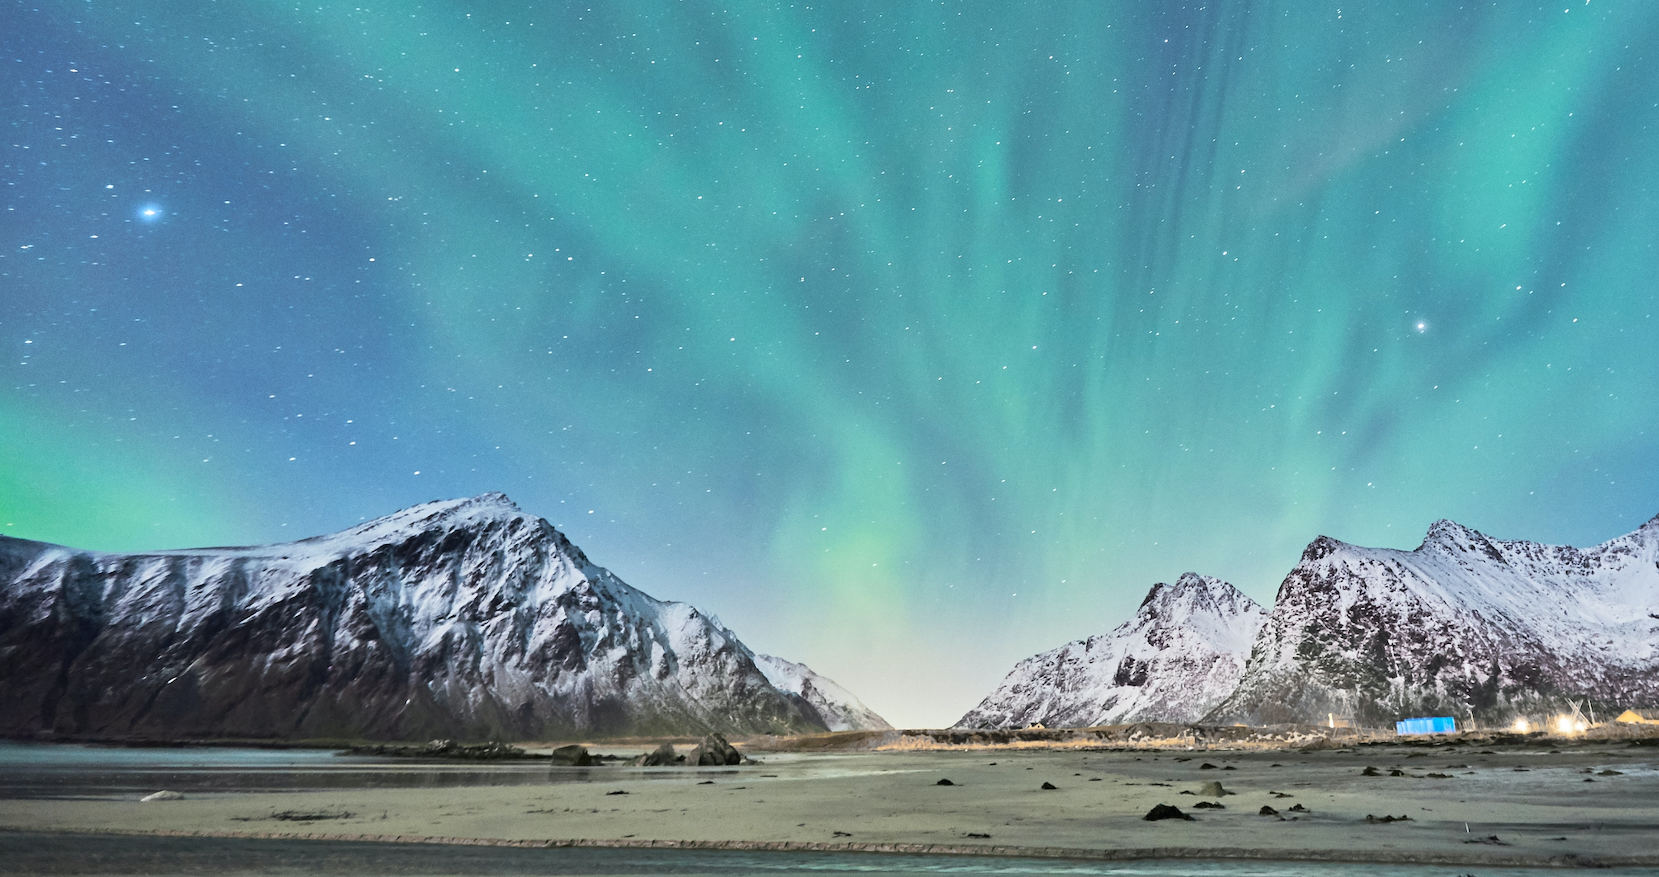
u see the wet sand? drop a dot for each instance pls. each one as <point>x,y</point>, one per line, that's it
<point>1584,804</point>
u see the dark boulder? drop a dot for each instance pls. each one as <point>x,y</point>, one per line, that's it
<point>714,751</point>
<point>660,757</point>
<point>1165,811</point>
<point>573,756</point>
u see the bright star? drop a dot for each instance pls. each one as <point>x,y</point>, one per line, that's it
<point>150,213</point>
<point>1422,326</point>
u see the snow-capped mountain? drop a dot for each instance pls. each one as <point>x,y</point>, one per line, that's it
<point>1176,659</point>
<point>838,709</point>
<point>1464,625</point>
<point>464,618</point>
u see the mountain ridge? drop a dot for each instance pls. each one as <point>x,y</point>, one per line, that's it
<point>1483,629</point>
<point>839,709</point>
<point>458,618</point>
<point>1179,655</point>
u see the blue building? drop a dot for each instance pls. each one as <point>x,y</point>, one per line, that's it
<point>1436,725</point>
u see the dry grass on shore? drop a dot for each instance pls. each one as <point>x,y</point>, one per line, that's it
<point>1154,736</point>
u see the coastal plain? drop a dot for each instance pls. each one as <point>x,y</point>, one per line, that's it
<point>1465,803</point>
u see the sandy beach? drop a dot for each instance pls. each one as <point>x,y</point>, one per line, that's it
<point>1465,803</point>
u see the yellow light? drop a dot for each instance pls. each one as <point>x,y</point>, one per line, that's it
<point>1580,727</point>
<point>1564,724</point>
<point>1521,726</point>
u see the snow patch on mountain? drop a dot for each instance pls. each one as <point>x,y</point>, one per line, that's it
<point>1176,659</point>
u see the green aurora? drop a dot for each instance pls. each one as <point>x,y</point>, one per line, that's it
<point>911,339</point>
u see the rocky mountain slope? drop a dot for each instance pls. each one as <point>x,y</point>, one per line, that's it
<point>1464,625</point>
<point>464,618</point>
<point>1174,661</point>
<point>835,706</point>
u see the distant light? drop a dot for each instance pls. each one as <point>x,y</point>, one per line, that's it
<point>1521,726</point>
<point>150,213</point>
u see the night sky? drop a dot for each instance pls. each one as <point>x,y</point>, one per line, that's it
<point>910,339</point>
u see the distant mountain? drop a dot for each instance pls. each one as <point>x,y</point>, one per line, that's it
<point>1174,661</point>
<point>838,709</point>
<point>1464,625</point>
<point>464,618</point>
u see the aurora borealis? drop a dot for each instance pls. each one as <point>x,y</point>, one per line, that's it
<point>910,339</point>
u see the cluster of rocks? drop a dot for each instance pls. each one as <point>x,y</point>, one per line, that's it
<point>309,815</point>
<point>491,751</point>
<point>713,750</point>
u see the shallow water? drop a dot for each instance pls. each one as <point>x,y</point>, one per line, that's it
<point>36,770</point>
<point>71,770</point>
<point>27,853</point>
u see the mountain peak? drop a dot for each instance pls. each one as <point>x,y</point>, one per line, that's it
<point>1450,537</point>
<point>443,514</point>
<point>1194,581</point>
<point>1188,582</point>
<point>1180,655</point>
<point>1322,547</point>
<point>1196,591</point>
<point>1446,531</point>
<point>491,504</point>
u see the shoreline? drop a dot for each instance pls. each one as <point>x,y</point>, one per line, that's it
<point>1097,854</point>
<point>1137,737</point>
<point>1140,736</point>
<point>1540,804</point>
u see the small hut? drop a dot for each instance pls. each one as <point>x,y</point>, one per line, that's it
<point>1435,725</point>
